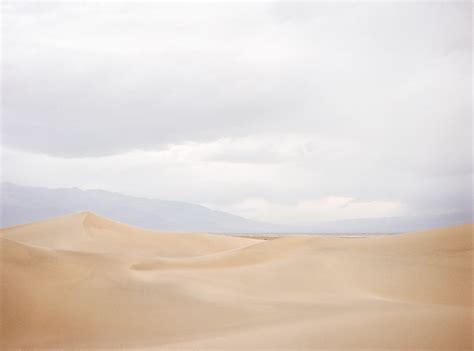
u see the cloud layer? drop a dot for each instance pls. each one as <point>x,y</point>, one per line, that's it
<point>265,109</point>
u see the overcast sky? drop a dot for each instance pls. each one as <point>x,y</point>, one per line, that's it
<point>287,113</point>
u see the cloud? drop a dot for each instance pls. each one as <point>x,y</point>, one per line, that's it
<point>222,103</point>
<point>110,78</point>
<point>314,211</point>
<point>302,173</point>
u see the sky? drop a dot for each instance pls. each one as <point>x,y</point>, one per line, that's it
<point>290,113</point>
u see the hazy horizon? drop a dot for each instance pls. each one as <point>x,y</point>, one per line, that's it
<point>24,205</point>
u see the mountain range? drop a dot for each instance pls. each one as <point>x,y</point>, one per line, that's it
<point>23,204</point>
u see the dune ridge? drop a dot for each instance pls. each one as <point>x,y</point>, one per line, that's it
<point>84,281</point>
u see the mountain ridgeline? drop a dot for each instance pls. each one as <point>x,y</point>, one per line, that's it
<point>21,205</point>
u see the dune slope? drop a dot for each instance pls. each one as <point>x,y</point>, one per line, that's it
<point>82,281</point>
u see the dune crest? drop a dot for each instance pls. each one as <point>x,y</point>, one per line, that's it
<point>84,281</point>
<point>88,232</point>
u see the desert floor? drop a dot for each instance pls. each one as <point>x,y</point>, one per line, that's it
<point>86,282</point>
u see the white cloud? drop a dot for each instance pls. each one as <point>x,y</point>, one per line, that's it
<point>172,73</point>
<point>305,179</point>
<point>312,211</point>
<point>222,103</point>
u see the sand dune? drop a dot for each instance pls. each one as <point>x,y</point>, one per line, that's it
<point>82,281</point>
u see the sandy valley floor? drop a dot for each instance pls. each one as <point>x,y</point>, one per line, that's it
<point>83,281</point>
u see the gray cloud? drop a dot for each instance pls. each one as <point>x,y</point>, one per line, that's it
<point>280,101</point>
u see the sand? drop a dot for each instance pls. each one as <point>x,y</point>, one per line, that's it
<point>86,282</point>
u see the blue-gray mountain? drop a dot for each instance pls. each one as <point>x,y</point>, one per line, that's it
<point>21,204</point>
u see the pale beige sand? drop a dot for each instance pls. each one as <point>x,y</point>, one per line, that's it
<point>82,281</point>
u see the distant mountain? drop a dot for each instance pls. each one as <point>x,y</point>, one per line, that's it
<point>22,204</point>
